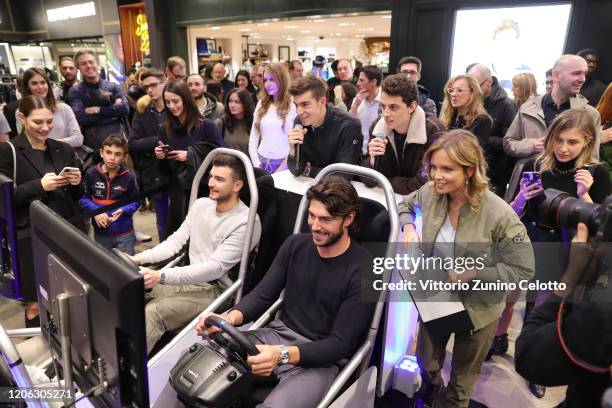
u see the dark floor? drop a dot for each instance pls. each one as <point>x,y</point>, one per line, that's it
<point>395,399</point>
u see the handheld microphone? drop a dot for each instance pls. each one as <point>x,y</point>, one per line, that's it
<point>378,159</point>
<point>297,147</point>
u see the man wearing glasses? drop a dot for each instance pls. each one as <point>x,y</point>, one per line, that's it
<point>502,110</point>
<point>549,81</point>
<point>593,88</point>
<point>144,136</point>
<point>411,67</point>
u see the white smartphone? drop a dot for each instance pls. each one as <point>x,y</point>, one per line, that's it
<point>67,170</point>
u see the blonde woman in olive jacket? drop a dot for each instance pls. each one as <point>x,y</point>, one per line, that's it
<point>458,208</point>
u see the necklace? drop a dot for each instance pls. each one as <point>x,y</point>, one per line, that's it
<point>558,172</point>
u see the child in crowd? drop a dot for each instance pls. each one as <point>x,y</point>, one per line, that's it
<point>106,184</point>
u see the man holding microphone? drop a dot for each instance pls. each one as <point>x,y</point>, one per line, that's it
<point>321,135</point>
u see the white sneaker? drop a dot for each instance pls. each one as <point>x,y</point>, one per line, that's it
<point>140,237</point>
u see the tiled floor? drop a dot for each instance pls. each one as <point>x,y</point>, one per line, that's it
<point>499,385</point>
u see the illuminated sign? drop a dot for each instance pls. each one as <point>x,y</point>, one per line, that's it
<point>71,12</point>
<point>142,32</point>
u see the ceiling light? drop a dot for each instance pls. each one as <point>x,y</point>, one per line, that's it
<point>291,26</point>
<point>338,33</point>
<point>386,17</point>
<point>344,24</point>
<point>305,31</point>
<point>320,20</point>
<point>215,28</point>
<point>262,24</point>
<point>244,30</point>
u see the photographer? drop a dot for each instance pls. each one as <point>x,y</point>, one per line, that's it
<point>577,351</point>
<point>566,164</point>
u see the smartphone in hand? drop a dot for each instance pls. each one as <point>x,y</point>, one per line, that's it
<point>166,148</point>
<point>66,171</point>
<point>531,176</point>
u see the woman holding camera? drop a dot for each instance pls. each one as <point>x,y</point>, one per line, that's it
<point>185,139</point>
<point>36,167</point>
<point>459,210</point>
<point>566,164</point>
<point>65,126</point>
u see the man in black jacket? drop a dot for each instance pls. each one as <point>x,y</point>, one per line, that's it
<point>325,135</point>
<point>411,67</point>
<point>144,137</point>
<point>502,110</point>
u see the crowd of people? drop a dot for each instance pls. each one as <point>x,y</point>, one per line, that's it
<point>464,171</point>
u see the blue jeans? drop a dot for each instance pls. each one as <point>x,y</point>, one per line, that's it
<point>124,243</point>
<point>161,213</point>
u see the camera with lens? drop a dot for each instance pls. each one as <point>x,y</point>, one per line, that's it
<point>558,209</point>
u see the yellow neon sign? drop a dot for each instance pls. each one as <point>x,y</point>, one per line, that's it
<point>142,32</point>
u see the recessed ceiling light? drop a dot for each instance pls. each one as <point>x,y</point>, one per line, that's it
<point>338,33</point>
<point>215,28</point>
<point>344,24</point>
<point>244,30</point>
<point>305,31</point>
<point>291,26</point>
<point>320,20</point>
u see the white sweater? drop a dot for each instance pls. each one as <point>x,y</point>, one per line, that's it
<point>65,126</point>
<point>215,243</point>
<point>273,140</point>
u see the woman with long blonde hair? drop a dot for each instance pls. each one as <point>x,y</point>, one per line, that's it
<point>565,164</point>
<point>273,119</point>
<point>463,108</point>
<point>460,215</point>
<point>523,86</point>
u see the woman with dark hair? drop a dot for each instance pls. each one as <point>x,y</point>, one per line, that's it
<point>33,162</point>
<point>185,139</point>
<point>243,81</point>
<point>65,126</point>
<point>235,126</point>
<point>215,89</point>
<point>342,95</point>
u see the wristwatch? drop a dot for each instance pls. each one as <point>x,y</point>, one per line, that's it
<point>162,278</point>
<point>283,357</point>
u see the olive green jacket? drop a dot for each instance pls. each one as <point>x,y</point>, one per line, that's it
<point>494,232</point>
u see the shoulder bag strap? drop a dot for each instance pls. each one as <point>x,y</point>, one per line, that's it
<point>14,164</point>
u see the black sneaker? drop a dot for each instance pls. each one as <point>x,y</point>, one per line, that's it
<point>426,395</point>
<point>499,347</point>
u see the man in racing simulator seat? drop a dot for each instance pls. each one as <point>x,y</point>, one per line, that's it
<point>323,319</point>
<point>214,228</point>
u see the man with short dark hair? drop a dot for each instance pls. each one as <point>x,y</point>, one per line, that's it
<point>411,67</point>
<point>99,105</point>
<point>68,70</point>
<point>326,135</point>
<point>218,74</point>
<point>549,81</point>
<point>207,103</point>
<point>323,320</point>
<point>401,136</point>
<point>175,68</point>
<point>593,88</point>
<point>214,230</point>
<point>502,110</point>
<point>366,105</point>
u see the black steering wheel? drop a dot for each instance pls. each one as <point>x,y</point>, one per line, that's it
<point>244,345</point>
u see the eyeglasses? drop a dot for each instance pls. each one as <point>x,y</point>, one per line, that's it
<point>549,82</point>
<point>409,73</point>
<point>458,91</point>
<point>151,86</point>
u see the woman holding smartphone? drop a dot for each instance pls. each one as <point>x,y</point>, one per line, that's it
<point>185,139</point>
<point>37,165</point>
<point>566,164</point>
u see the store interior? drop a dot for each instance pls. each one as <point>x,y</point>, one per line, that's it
<point>363,38</point>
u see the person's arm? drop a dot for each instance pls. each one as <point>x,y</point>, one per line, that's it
<point>407,208</point>
<point>254,139</point>
<point>224,257</point>
<point>512,253</point>
<point>140,141</point>
<point>173,244</point>
<point>78,107</point>
<point>24,192</point>
<point>349,149</point>
<point>118,108</point>
<point>130,208</point>
<point>75,137</point>
<point>602,185</point>
<point>514,144</point>
<point>348,330</point>
<point>595,152</point>
<point>269,289</point>
<point>86,202</point>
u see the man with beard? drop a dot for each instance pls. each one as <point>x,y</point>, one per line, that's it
<point>214,230</point>
<point>323,319</point>
<point>69,72</point>
<point>208,105</point>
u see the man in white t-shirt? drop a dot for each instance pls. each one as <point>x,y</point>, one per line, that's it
<point>214,228</point>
